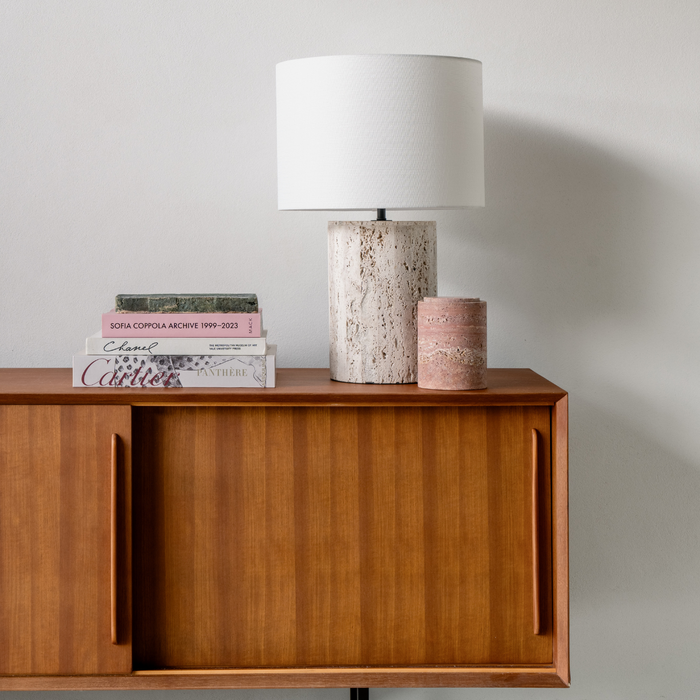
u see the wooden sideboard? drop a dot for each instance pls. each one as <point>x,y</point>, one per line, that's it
<point>318,534</point>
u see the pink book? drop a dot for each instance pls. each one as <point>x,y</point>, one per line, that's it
<point>204,325</point>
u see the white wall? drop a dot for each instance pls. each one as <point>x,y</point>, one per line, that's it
<point>137,153</point>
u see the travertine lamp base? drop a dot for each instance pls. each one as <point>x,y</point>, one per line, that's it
<point>378,271</point>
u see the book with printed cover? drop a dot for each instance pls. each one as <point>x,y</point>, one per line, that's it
<point>97,345</point>
<point>174,371</point>
<point>167,325</point>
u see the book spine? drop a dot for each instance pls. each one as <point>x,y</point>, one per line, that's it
<point>173,371</point>
<point>96,345</point>
<point>202,325</point>
<point>187,303</point>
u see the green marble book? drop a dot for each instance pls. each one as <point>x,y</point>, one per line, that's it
<point>186,303</point>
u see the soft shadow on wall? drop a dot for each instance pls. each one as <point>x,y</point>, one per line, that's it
<point>575,253</point>
<point>566,237</point>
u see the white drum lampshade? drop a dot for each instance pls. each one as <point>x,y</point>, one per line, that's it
<point>379,132</point>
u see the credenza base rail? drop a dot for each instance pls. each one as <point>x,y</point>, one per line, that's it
<point>297,678</point>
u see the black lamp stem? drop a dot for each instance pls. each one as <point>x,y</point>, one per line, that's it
<point>381,215</point>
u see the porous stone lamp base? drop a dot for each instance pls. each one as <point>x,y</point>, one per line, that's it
<point>378,271</point>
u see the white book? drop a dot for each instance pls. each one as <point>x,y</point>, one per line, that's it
<point>174,371</point>
<point>97,345</point>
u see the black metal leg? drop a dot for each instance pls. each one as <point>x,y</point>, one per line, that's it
<point>359,693</point>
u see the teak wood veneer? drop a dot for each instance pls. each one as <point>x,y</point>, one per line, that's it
<point>318,534</point>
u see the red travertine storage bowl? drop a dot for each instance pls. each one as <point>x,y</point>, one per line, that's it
<point>451,343</point>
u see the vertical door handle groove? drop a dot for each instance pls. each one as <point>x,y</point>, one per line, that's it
<point>113,537</point>
<point>535,534</point>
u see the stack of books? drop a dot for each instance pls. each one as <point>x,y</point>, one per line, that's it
<point>178,340</point>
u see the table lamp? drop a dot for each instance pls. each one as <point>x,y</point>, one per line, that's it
<point>379,132</point>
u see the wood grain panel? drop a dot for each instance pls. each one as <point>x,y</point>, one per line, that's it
<point>346,602</point>
<point>442,541</point>
<point>560,543</point>
<point>409,638</point>
<point>279,549</point>
<point>337,536</point>
<point>215,500</point>
<point>55,573</point>
<point>510,541</point>
<point>310,452</point>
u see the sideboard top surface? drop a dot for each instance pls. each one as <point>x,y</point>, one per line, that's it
<point>296,387</point>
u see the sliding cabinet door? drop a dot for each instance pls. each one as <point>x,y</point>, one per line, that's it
<point>283,537</point>
<point>56,604</point>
